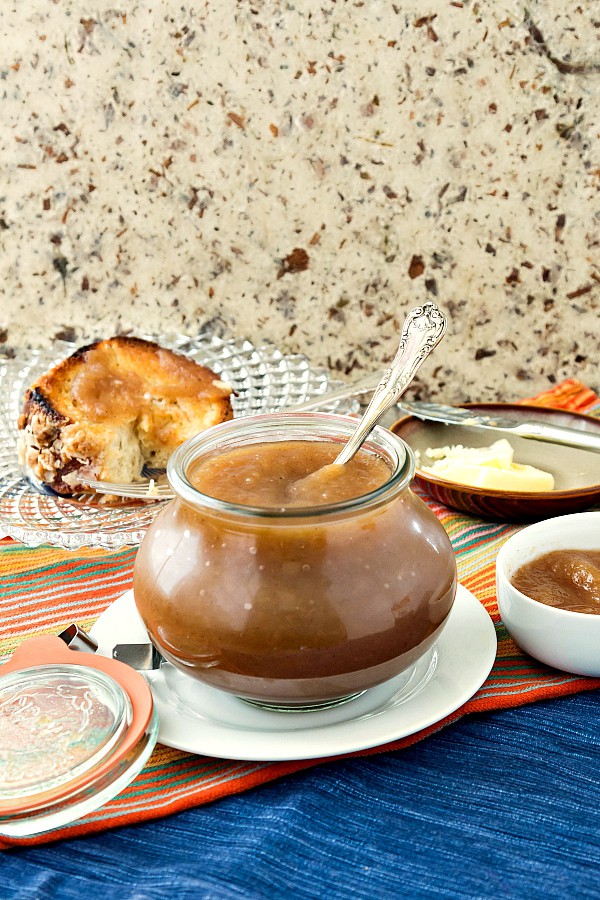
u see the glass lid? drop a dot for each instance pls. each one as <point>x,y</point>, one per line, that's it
<point>75,730</point>
<point>56,724</point>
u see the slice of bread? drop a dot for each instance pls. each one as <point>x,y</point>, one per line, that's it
<point>113,406</point>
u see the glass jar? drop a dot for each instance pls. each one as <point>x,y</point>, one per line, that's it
<point>294,606</point>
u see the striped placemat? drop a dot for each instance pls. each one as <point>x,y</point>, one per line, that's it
<point>44,589</point>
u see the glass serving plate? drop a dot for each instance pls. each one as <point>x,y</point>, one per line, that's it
<point>263,379</point>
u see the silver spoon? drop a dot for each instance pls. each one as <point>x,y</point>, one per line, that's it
<point>423,329</point>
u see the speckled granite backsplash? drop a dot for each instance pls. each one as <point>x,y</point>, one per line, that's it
<point>306,173</point>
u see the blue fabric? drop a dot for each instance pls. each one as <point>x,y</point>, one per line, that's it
<point>502,805</point>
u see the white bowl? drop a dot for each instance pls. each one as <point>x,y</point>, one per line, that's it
<point>560,638</point>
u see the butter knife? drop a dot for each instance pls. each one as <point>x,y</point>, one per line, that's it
<point>538,431</point>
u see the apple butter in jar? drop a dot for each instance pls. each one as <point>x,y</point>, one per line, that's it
<point>286,580</point>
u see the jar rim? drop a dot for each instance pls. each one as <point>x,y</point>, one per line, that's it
<point>381,441</point>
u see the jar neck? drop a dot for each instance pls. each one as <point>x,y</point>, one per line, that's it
<point>278,427</point>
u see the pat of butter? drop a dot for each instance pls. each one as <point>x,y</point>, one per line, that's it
<point>487,467</point>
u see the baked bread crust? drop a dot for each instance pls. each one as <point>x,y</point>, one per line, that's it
<point>113,406</point>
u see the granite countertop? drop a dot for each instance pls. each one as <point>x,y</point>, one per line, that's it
<point>307,173</point>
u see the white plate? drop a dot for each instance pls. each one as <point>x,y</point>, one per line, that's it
<point>200,719</point>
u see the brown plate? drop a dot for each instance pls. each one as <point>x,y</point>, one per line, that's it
<point>576,472</point>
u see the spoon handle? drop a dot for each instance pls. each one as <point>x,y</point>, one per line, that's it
<point>423,329</point>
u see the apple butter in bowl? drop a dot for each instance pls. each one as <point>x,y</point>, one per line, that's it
<point>293,598</point>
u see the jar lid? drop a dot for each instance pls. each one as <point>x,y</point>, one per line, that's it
<point>75,729</point>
